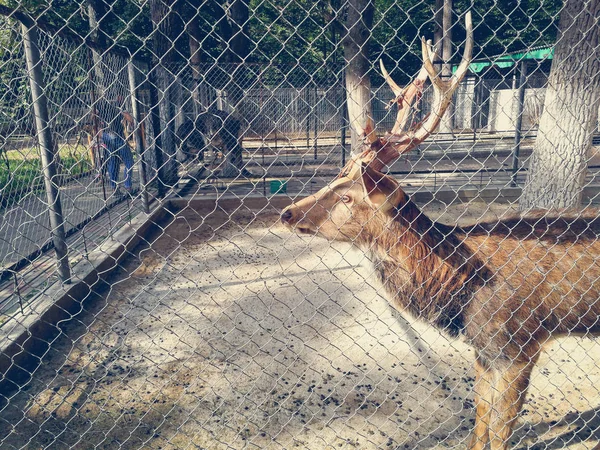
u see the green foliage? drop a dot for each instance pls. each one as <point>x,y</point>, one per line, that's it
<point>510,25</point>
<point>304,36</point>
<point>399,25</point>
<point>499,27</point>
<point>14,87</point>
<point>21,170</point>
<point>300,39</point>
<point>129,25</point>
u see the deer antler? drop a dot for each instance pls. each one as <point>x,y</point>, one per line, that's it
<point>387,149</point>
<point>406,97</point>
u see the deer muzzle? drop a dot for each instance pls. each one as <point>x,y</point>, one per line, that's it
<point>296,218</point>
<point>287,216</point>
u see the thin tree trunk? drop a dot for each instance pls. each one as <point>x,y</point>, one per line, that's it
<point>239,43</point>
<point>559,161</point>
<point>438,34</point>
<point>164,42</point>
<point>446,122</point>
<point>97,10</point>
<point>359,23</point>
<point>195,62</point>
<point>235,32</point>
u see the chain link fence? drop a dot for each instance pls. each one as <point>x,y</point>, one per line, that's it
<point>154,295</point>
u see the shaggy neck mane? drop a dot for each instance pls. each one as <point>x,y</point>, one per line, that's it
<point>425,266</point>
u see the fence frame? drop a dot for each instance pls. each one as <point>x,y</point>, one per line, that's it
<point>47,149</point>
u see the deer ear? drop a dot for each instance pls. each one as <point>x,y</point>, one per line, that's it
<point>381,190</point>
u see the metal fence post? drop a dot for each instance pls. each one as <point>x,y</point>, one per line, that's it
<point>344,109</point>
<point>519,121</point>
<point>315,123</point>
<point>308,113</point>
<point>44,136</point>
<point>156,134</point>
<point>139,139</point>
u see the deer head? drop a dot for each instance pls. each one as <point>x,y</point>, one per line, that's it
<point>344,209</point>
<point>361,194</point>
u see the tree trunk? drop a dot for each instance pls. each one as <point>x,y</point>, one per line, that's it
<point>447,119</point>
<point>238,18</point>
<point>559,162</point>
<point>235,32</point>
<point>193,30</point>
<point>164,42</point>
<point>438,34</point>
<point>97,10</point>
<point>359,23</point>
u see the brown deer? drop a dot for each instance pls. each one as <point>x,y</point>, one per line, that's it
<point>506,287</point>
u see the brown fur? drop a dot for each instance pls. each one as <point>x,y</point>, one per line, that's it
<point>506,287</point>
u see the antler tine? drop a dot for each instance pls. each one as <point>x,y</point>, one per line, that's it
<point>391,83</point>
<point>428,55</point>
<point>443,90</point>
<point>386,150</point>
<point>405,97</point>
<point>466,59</point>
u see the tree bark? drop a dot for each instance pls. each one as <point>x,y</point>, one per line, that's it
<point>162,12</point>
<point>97,10</point>
<point>202,94</point>
<point>446,122</point>
<point>193,30</point>
<point>559,162</point>
<point>359,22</point>
<point>438,34</point>
<point>235,33</point>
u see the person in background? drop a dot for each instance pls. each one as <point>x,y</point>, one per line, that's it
<point>96,152</point>
<point>116,150</point>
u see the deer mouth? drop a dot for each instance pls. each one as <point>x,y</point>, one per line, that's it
<point>305,229</point>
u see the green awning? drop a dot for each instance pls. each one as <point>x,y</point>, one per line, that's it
<point>504,61</point>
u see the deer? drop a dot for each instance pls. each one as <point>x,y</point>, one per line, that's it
<point>506,287</point>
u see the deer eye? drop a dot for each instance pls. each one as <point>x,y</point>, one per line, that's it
<point>346,198</point>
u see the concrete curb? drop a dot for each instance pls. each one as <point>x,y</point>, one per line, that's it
<point>23,344</point>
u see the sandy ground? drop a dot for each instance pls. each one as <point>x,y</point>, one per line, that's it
<point>229,332</point>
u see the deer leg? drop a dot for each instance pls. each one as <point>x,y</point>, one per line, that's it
<point>484,397</point>
<point>509,389</point>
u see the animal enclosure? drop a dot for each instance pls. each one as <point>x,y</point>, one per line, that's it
<point>277,342</point>
<point>157,290</point>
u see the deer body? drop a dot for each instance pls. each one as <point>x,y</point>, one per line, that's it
<point>506,287</point>
<point>536,274</point>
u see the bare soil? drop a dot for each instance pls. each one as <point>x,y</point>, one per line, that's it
<point>226,331</point>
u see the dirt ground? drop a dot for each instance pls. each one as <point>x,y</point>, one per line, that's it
<point>227,331</point>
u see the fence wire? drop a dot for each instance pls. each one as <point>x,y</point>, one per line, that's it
<point>203,245</point>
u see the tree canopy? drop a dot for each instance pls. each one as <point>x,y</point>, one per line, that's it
<point>301,39</point>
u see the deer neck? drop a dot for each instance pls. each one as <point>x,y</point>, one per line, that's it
<point>424,266</point>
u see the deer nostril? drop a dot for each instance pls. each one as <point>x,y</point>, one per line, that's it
<point>286,216</point>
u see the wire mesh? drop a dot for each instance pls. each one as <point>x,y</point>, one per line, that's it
<point>246,264</point>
